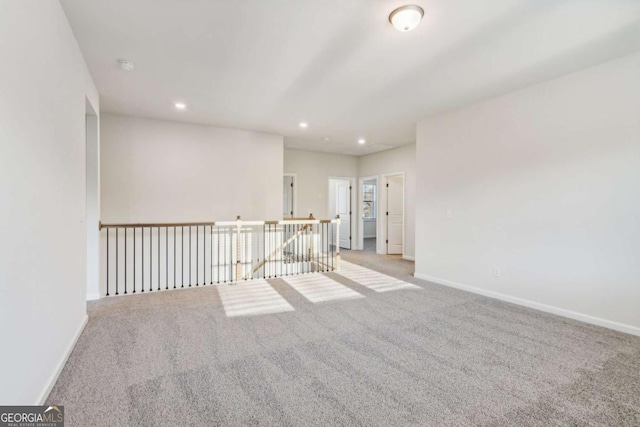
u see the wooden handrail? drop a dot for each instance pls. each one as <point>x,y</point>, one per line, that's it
<point>309,220</point>
<point>300,219</point>
<point>156,224</point>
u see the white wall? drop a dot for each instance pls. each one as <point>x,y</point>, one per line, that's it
<point>161,171</point>
<point>369,228</point>
<point>542,183</point>
<point>313,170</point>
<point>333,191</point>
<point>93,202</point>
<point>401,159</point>
<point>43,82</point>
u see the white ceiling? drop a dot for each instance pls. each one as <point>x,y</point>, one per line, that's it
<point>339,65</point>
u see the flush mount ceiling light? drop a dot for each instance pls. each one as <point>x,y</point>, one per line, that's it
<point>406,18</point>
<point>303,125</point>
<point>126,65</point>
<point>180,105</point>
<point>362,141</point>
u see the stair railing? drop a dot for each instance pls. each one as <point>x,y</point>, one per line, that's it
<point>147,257</point>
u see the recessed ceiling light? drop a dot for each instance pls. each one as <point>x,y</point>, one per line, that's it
<point>326,138</point>
<point>303,125</point>
<point>362,141</point>
<point>406,18</point>
<point>180,105</point>
<point>126,65</point>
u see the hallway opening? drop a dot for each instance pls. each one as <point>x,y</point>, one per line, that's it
<point>369,213</point>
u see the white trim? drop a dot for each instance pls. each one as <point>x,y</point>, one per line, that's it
<point>633,330</point>
<point>54,377</point>
<point>179,288</point>
<point>93,296</point>
<point>408,257</point>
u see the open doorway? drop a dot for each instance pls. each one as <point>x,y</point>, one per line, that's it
<point>288,195</point>
<point>369,209</point>
<point>340,193</point>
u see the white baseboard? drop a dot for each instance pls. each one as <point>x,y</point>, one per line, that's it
<point>408,257</point>
<point>91,297</point>
<point>633,330</point>
<point>54,377</point>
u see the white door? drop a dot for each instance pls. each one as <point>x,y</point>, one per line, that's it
<point>395,214</point>
<point>287,197</point>
<point>343,208</point>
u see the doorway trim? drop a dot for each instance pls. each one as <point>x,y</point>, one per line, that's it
<point>354,197</point>
<point>383,210</point>
<point>294,177</point>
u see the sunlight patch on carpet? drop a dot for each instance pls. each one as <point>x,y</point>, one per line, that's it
<point>372,279</point>
<point>317,287</point>
<point>252,298</point>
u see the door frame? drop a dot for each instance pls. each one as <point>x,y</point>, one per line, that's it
<point>383,210</point>
<point>294,177</point>
<point>353,228</point>
<point>360,240</point>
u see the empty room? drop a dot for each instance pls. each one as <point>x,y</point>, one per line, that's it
<point>320,212</point>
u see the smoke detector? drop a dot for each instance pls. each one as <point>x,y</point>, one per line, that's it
<point>126,65</point>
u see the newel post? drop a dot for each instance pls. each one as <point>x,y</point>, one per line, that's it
<point>238,248</point>
<point>337,243</point>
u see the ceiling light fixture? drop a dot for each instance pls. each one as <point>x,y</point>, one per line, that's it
<point>406,18</point>
<point>180,105</point>
<point>362,141</point>
<point>126,65</point>
<point>303,125</point>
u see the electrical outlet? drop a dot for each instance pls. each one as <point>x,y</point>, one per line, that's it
<point>449,213</point>
<point>497,272</point>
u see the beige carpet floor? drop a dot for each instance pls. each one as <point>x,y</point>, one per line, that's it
<point>347,355</point>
